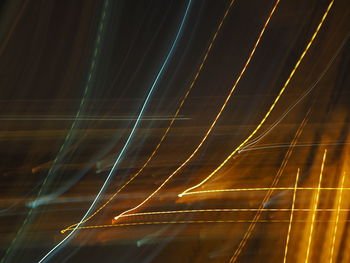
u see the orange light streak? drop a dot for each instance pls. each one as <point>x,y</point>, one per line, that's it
<point>291,217</point>
<point>271,108</point>
<point>233,210</point>
<point>337,218</point>
<point>187,222</point>
<point>315,208</point>
<point>215,120</point>
<point>172,120</point>
<point>269,193</point>
<point>261,189</point>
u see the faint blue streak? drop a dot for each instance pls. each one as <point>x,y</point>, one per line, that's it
<point>155,82</point>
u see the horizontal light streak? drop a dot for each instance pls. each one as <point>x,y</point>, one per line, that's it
<point>191,222</point>
<point>261,189</point>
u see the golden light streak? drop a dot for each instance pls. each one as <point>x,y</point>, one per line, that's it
<point>337,218</point>
<point>185,222</point>
<point>261,189</point>
<point>269,193</point>
<point>272,106</point>
<point>315,208</point>
<point>174,222</point>
<point>172,120</point>
<point>234,210</point>
<point>291,217</point>
<point>215,120</point>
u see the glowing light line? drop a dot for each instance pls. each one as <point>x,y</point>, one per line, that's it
<point>87,119</point>
<point>315,208</point>
<point>150,92</point>
<point>172,120</point>
<point>248,147</point>
<point>337,218</point>
<point>176,222</point>
<point>216,118</point>
<point>233,210</point>
<point>72,127</point>
<point>272,106</point>
<point>269,193</point>
<point>291,217</point>
<point>192,222</point>
<point>261,189</point>
<point>263,147</point>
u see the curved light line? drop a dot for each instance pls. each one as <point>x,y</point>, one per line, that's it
<point>72,127</point>
<point>199,70</point>
<point>130,135</point>
<point>270,109</point>
<point>208,132</point>
<point>302,97</point>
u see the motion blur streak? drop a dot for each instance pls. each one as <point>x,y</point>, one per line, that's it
<point>234,210</point>
<point>248,146</point>
<point>68,138</point>
<point>4,43</point>
<point>271,108</point>
<point>263,147</point>
<point>263,202</point>
<point>262,189</point>
<point>175,117</point>
<point>188,222</point>
<point>291,217</point>
<point>315,208</point>
<point>121,153</point>
<point>156,118</point>
<point>70,135</point>
<point>270,191</point>
<point>216,117</point>
<point>337,217</point>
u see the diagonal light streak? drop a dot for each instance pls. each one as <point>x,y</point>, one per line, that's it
<point>315,208</point>
<point>172,120</point>
<point>337,218</point>
<point>121,153</point>
<point>291,217</point>
<point>272,106</point>
<point>215,119</point>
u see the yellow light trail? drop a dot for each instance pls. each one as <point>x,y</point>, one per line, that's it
<point>337,218</point>
<point>272,106</point>
<point>315,208</point>
<point>291,217</point>
<point>261,189</point>
<point>216,118</point>
<point>270,191</point>
<point>173,118</point>
<point>233,210</point>
<point>174,222</point>
<point>187,222</point>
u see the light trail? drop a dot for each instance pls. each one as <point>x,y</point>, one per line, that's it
<point>192,222</point>
<point>172,120</point>
<point>337,218</point>
<point>233,210</point>
<point>272,106</point>
<point>269,193</point>
<point>216,118</point>
<point>5,41</point>
<point>248,147</point>
<point>60,155</point>
<point>297,145</point>
<point>96,118</point>
<point>262,189</point>
<point>315,208</point>
<point>121,153</point>
<point>291,217</point>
